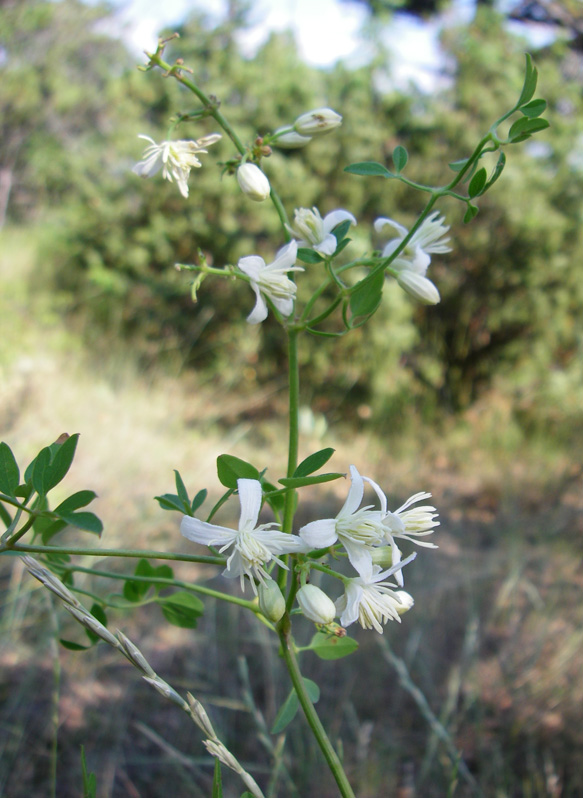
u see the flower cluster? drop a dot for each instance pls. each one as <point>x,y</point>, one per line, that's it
<point>368,597</point>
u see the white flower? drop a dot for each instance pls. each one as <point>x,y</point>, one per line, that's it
<point>416,255</point>
<point>315,604</point>
<point>318,122</point>
<point>313,231</point>
<point>253,182</point>
<point>406,524</point>
<point>406,600</point>
<point>357,530</point>
<point>253,546</point>
<point>371,601</point>
<point>288,139</point>
<point>175,158</point>
<point>271,282</point>
<point>421,288</point>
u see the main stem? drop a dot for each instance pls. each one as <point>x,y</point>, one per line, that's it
<point>294,426</point>
<point>312,716</point>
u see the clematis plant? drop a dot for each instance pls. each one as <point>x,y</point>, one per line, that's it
<point>330,568</point>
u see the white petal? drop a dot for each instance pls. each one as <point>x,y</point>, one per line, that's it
<point>250,500</point>
<point>208,534</point>
<point>259,312</point>
<point>332,219</point>
<point>286,257</point>
<point>383,222</point>
<point>379,493</point>
<point>285,305</point>
<point>319,534</point>
<point>355,494</point>
<point>352,597</point>
<point>279,542</point>
<point>360,558</point>
<point>252,266</point>
<point>327,246</point>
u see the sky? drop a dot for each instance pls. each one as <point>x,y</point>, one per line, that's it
<point>326,30</point>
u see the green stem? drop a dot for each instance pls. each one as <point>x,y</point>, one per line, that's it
<point>89,552</point>
<point>155,580</point>
<point>294,434</point>
<point>310,712</point>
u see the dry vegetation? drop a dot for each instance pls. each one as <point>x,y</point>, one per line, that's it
<point>494,642</point>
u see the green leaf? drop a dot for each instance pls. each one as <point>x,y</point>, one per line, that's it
<point>135,591</point>
<point>48,530</point>
<point>230,469</point>
<point>40,466</point>
<point>181,490</point>
<point>61,460</point>
<point>277,501</point>
<point>170,501</point>
<point>497,170</point>
<point>88,522</point>
<point>181,609</point>
<point>471,213</point>
<point>98,612</point>
<point>9,471</point>
<point>478,182</point>
<point>328,646</point>
<point>366,295</point>
<point>457,166</point>
<point>290,706</point>
<point>5,516</point>
<point>368,169</point>
<point>400,157</point>
<point>307,255</point>
<point>217,781</point>
<point>524,128</point>
<point>342,245</point>
<point>313,463</point>
<point>198,500</point>
<point>534,108</point>
<point>89,779</point>
<point>530,80</point>
<point>301,482</point>
<point>73,646</point>
<point>339,232</point>
<point>74,502</point>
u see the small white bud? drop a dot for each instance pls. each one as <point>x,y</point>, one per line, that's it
<point>289,139</point>
<point>406,600</point>
<point>253,182</point>
<point>315,604</point>
<point>419,287</point>
<point>318,122</point>
<point>271,600</point>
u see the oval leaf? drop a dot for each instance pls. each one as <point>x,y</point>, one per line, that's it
<point>366,295</point>
<point>478,182</point>
<point>61,461</point>
<point>290,706</point>
<point>307,255</point>
<point>181,609</point>
<point>230,469</point>
<point>534,108</point>
<point>313,463</point>
<point>368,169</point>
<point>400,158</point>
<point>9,472</point>
<point>328,646</point>
<point>530,80</point>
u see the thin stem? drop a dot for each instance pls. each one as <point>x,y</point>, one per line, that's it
<point>294,408</point>
<point>310,712</point>
<point>90,552</point>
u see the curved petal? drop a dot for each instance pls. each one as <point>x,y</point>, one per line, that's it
<point>355,493</point>
<point>252,266</point>
<point>286,256</point>
<point>383,222</point>
<point>379,493</point>
<point>360,558</point>
<point>259,312</point>
<point>334,218</point>
<point>327,246</point>
<point>352,597</point>
<point>279,542</point>
<point>396,553</point>
<point>250,501</point>
<point>319,534</point>
<point>208,534</point>
<point>285,305</point>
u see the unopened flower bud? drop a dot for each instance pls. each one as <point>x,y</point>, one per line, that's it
<point>383,556</point>
<point>289,139</point>
<point>315,604</point>
<point>419,287</point>
<point>318,122</point>
<point>271,600</point>
<point>406,600</point>
<point>253,182</point>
